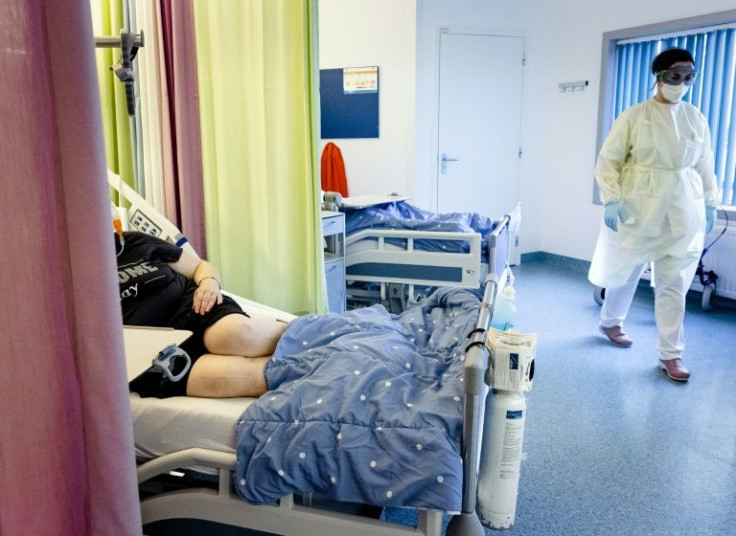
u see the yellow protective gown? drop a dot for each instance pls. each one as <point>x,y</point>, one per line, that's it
<point>658,162</point>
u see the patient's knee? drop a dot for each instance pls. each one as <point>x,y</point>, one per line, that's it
<point>227,376</point>
<point>240,335</point>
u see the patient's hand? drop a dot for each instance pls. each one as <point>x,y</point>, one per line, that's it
<point>206,296</point>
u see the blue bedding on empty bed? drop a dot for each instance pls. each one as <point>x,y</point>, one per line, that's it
<point>364,407</point>
<point>403,215</point>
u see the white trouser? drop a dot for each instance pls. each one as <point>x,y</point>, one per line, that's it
<point>672,279</point>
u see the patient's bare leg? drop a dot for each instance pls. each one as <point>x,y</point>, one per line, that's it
<point>226,376</point>
<point>239,335</point>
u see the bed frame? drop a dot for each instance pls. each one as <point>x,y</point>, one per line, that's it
<point>288,518</point>
<point>292,517</point>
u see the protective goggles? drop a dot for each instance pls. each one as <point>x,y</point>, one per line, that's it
<point>678,75</point>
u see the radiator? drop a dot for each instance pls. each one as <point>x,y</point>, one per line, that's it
<point>721,259</point>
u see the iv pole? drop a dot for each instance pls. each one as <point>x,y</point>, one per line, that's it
<point>129,43</point>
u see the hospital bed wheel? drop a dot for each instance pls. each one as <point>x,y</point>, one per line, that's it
<point>599,294</point>
<point>705,302</point>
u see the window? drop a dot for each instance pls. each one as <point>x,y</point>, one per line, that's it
<point>628,80</point>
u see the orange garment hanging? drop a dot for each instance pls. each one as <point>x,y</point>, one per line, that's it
<point>333,170</point>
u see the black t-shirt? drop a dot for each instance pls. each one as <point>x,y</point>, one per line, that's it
<point>150,291</point>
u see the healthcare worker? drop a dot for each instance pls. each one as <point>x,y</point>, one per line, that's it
<point>656,177</point>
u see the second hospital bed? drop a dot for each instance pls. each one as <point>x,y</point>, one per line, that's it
<point>395,252</point>
<point>270,451</point>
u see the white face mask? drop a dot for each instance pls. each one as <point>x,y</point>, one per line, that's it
<point>674,93</point>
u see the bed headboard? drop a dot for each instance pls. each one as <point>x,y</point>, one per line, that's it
<point>142,216</point>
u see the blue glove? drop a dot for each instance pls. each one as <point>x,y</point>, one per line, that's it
<point>710,218</point>
<point>612,213</point>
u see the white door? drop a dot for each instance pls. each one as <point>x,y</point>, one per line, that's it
<point>480,89</point>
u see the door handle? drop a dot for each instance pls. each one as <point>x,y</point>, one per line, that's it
<point>446,159</point>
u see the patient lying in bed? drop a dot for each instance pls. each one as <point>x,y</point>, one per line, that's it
<point>162,285</point>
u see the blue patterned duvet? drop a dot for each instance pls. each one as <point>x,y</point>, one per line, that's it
<point>364,407</point>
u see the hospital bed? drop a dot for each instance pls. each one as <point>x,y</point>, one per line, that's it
<point>192,441</point>
<point>396,253</point>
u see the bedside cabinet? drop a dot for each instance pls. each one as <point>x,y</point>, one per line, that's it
<point>333,232</point>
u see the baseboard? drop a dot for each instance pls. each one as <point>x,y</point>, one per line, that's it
<point>558,261</point>
<point>578,266</point>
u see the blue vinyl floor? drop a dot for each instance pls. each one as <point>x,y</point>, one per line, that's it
<point>612,446</point>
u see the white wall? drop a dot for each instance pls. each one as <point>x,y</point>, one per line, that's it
<point>357,33</point>
<point>558,129</point>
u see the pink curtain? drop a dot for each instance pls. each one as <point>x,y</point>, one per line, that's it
<point>184,187</point>
<point>66,444</point>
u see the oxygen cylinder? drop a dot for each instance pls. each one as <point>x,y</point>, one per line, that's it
<point>498,480</point>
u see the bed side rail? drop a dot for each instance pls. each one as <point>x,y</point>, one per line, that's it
<point>386,262</point>
<point>477,360</point>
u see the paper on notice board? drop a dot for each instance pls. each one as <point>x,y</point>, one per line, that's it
<point>360,80</point>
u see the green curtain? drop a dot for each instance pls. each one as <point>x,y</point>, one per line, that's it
<point>256,63</point>
<point>108,18</point>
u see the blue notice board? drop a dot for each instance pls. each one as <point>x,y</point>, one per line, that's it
<point>349,102</point>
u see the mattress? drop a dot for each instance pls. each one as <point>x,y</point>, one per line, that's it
<point>166,425</point>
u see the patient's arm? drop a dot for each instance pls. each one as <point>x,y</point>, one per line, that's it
<point>207,278</point>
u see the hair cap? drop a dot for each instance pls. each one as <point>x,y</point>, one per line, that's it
<point>669,57</point>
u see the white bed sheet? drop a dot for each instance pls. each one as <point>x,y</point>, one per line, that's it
<point>166,425</point>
